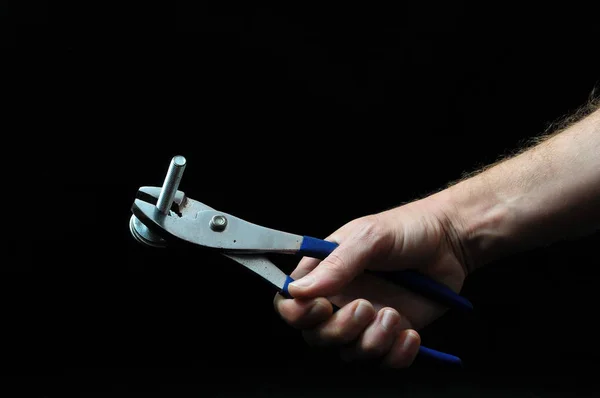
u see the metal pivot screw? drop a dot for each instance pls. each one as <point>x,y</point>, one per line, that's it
<point>218,223</point>
<point>169,188</point>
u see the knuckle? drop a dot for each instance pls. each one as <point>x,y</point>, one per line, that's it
<point>373,232</point>
<point>335,334</point>
<point>279,307</point>
<point>304,316</point>
<point>294,318</point>
<point>335,263</point>
<point>329,335</point>
<point>371,349</point>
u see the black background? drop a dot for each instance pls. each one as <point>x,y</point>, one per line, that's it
<point>300,118</point>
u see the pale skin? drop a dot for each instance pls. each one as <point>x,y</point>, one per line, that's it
<point>546,193</point>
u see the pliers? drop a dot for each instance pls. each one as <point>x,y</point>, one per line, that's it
<point>164,215</point>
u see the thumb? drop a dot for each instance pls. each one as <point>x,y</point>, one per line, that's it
<point>358,247</point>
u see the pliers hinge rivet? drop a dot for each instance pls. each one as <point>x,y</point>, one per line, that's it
<point>218,223</point>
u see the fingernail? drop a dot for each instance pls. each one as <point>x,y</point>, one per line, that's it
<point>316,308</point>
<point>362,311</point>
<point>303,282</point>
<point>389,319</point>
<point>409,340</point>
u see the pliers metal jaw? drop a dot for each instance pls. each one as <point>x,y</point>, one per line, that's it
<point>199,224</point>
<point>165,215</point>
<point>193,222</point>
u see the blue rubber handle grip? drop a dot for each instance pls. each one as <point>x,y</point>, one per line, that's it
<point>424,352</point>
<point>427,287</point>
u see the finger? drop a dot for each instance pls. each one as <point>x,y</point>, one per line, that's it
<point>404,350</point>
<point>377,338</point>
<point>415,309</point>
<point>305,265</point>
<point>367,241</point>
<point>302,313</point>
<point>344,326</point>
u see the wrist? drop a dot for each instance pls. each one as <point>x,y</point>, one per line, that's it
<point>478,220</point>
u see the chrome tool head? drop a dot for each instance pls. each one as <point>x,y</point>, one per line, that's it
<point>163,203</point>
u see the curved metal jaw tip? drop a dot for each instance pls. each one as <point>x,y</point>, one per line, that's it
<point>143,235</point>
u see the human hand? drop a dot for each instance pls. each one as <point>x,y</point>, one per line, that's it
<point>377,318</point>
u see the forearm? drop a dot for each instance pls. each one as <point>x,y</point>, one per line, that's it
<point>548,193</point>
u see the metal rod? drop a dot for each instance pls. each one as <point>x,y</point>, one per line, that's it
<point>171,184</point>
